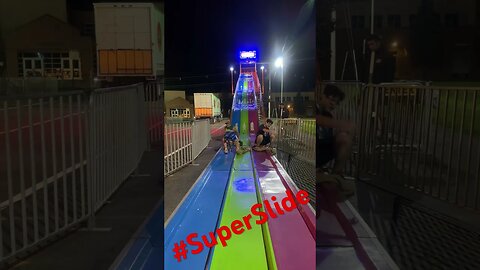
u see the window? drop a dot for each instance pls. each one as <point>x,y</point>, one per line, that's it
<point>358,22</point>
<point>174,112</point>
<point>289,99</point>
<point>394,21</point>
<point>277,99</point>
<point>60,65</point>
<point>306,98</point>
<point>451,20</point>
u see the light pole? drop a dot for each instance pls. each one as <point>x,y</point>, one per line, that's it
<point>263,79</point>
<point>231,72</point>
<point>279,64</point>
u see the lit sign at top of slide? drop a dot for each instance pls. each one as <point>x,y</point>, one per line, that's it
<point>248,55</point>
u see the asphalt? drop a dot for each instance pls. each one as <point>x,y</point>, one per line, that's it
<point>178,184</point>
<point>116,222</point>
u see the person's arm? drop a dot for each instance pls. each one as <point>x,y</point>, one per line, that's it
<point>345,126</point>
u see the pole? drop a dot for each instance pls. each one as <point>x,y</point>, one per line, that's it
<point>263,81</point>
<point>269,91</point>
<point>231,72</point>
<point>372,55</point>
<point>372,19</point>
<point>281,95</point>
<point>333,50</point>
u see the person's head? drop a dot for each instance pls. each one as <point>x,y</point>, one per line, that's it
<point>373,42</point>
<point>269,123</point>
<point>331,97</point>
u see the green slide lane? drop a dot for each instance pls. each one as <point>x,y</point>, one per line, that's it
<point>244,117</point>
<point>247,250</point>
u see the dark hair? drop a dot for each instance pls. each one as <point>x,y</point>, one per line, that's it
<point>374,37</point>
<point>269,121</point>
<point>333,91</point>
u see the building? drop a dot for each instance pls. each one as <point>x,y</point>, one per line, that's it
<point>40,47</point>
<point>179,107</point>
<point>300,104</point>
<point>441,42</point>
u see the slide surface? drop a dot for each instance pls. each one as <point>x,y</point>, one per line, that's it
<point>226,191</point>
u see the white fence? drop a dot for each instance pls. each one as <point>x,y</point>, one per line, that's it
<point>117,139</point>
<point>62,156</point>
<point>183,143</point>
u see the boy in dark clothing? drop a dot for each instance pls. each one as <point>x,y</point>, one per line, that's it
<point>334,137</point>
<point>264,138</point>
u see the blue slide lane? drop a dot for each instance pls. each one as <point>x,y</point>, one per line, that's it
<point>199,213</point>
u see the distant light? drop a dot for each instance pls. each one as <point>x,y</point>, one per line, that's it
<point>394,44</point>
<point>231,68</point>
<point>262,67</point>
<point>279,62</point>
<point>288,106</point>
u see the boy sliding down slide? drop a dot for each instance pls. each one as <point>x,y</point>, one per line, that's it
<point>231,136</point>
<point>264,138</point>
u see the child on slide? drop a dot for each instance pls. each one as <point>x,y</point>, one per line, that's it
<point>232,136</point>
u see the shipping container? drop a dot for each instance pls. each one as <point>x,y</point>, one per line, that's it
<point>129,39</point>
<point>207,105</point>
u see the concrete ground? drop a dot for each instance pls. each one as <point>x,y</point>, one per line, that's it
<point>178,184</point>
<point>128,208</point>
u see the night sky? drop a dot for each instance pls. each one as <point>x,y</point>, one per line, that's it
<point>203,38</point>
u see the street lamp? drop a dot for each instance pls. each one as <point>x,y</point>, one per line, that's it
<point>231,72</point>
<point>279,64</point>
<point>263,78</point>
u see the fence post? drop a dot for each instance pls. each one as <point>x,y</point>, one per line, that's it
<point>89,116</point>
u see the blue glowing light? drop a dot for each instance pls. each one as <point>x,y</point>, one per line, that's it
<point>248,55</point>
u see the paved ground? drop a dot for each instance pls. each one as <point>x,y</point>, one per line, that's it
<point>178,184</point>
<point>127,210</point>
<point>417,237</point>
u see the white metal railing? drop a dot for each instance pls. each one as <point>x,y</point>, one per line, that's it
<point>43,166</point>
<point>117,139</point>
<point>63,155</point>
<point>201,136</point>
<point>154,107</point>
<point>424,138</point>
<point>183,143</point>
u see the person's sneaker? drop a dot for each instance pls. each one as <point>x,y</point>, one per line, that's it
<point>240,151</point>
<point>225,150</point>
<point>273,151</point>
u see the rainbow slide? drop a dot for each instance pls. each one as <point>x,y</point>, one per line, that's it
<point>244,211</point>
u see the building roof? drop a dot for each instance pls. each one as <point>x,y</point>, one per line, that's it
<point>179,103</point>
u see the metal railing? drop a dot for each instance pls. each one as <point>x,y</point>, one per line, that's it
<point>154,107</point>
<point>295,136</point>
<point>61,157</point>
<point>43,169</point>
<point>183,143</point>
<point>423,138</point>
<point>117,139</point>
